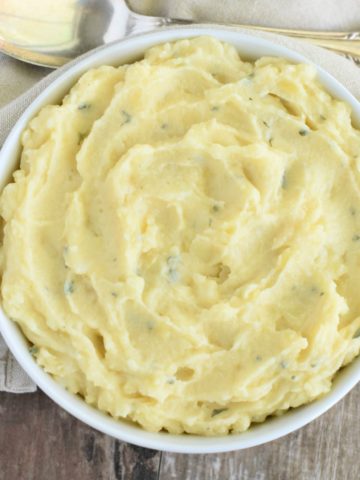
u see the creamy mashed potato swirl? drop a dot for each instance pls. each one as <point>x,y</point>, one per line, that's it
<point>182,239</point>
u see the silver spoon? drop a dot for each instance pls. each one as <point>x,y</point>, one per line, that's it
<point>62,30</point>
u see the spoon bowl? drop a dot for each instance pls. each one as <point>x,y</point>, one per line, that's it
<point>68,29</point>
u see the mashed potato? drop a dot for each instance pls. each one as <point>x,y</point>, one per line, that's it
<point>182,240</point>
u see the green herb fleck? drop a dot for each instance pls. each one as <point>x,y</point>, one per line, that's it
<point>114,294</point>
<point>217,411</point>
<point>215,208</point>
<point>270,141</point>
<point>215,108</point>
<point>313,365</point>
<point>127,117</point>
<point>69,287</point>
<point>303,132</point>
<point>172,263</point>
<point>284,182</point>
<point>258,358</point>
<point>33,350</point>
<point>265,123</point>
<point>352,211</point>
<point>356,238</point>
<point>322,294</point>
<point>170,381</point>
<point>164,126</point>
<point>283,364</point>
<point>322,118</point>
<point>293,377</point>
<point>357,333</point>
<point>210,222</point>
<point>84,106</point>
<point>251,99</point>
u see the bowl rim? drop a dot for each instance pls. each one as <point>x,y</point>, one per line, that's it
<point>120,52</point>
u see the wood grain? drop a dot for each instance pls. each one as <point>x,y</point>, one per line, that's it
<point>39,441</point>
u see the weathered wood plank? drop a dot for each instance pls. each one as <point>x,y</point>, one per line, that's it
<point>39,441</point>
<point>135,463</point>
<point>326,449</point>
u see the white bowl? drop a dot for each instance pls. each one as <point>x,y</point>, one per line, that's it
<point>118,53</point>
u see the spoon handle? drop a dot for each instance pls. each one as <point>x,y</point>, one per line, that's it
<point>345,43</point>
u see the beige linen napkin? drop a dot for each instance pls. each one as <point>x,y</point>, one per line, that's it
<point>16,78</point>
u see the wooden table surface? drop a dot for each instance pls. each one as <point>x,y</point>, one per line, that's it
<point>39,441</point>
